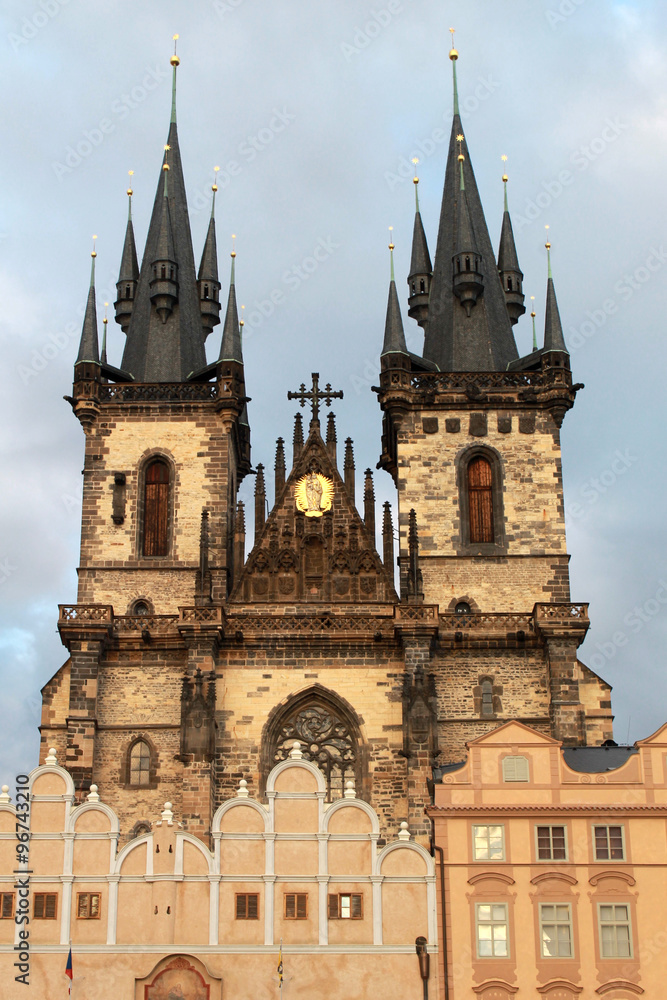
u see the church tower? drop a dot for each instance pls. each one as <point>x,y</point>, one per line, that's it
<point>194,669</point>
<point>471,437</point>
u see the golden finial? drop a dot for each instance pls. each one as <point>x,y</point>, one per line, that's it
<point>242,322</point>
<point>165,165</point>
<point>233,253</point>
<point>459,139</point>
<point>94,251</point>
<point>391,238</point>
<point>547,244</point>
<point>175,61</point>
<point>505,177</point>
<point>105,320</point>
<point>415,160</point>
<point>129,190</point>
<point>214,188</point>
<point>453,54</point>
<point>532,306</point>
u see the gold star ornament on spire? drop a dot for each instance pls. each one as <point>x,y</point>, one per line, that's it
<point>453,54</point>
<point>214,186</point>
<point>129,190</point>
<point>459,139</point>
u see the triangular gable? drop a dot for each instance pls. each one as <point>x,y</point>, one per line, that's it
<point>313,558</point>
<point>658,738</point>
<point>512,733</point>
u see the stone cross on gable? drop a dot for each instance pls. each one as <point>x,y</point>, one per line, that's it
<point>315,395</point>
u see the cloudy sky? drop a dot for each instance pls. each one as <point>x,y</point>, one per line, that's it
<point>313,111</point>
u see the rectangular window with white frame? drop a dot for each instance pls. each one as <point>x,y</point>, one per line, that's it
<point>492,930</point>
<point>551,843</point>
<point>488,843</point>
<point>615,932</point>
<point>609,843</point>
<point>556,930</point>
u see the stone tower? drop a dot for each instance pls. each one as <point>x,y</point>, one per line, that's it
<point>192,667</point>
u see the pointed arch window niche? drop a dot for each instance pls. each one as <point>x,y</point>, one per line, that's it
<point>156,504</point>
<point>479,476</point>
<point>140,765</point>
<point>329,738</point>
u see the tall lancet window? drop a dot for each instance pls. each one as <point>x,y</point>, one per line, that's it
<point>156,509</point>
<point>480,498</point>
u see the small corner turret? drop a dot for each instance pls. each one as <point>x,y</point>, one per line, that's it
<point>421,271</point>
<point>126,286</point>
<point>511,274</point>
<point>207,279</point>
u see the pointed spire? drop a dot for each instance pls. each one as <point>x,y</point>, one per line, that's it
<point>553,330</point>
<point>231,348</point>
<point>207,279</point>
<point>415,582</point>
<point>453,55</point>
<point>532,316</point>
<point>260,501</point>
<point>468,275</point>
<point>369,503</point>
<point>105,322</point>
<point>394,337</point>
<point>164,280</point>
<point>203,584</point>
<point>511,274</point>
<point>126,286</point>
<point>419,278</point>
<point>89,344</point>
<point>331,436</point>
<point>175,62</point>
<point>297,440</point>
<point>168,351</point>
<point>453,340</point>
<point>239,539</point>
<point>388,539</point>
<point>279,468</point>
<point>348,469</point>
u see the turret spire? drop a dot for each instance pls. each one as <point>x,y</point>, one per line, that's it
<point>419,279</point>
<point>89,344</point>
<point>454,340</point>
<point>231,348</point>
<point>468,276</point>
<point>165,338</point>
<point>511,274</point>
<point>394,337</point>
<point>207,279</point>
<point>126,286</point>
<point>553,330</point>
<point>532,316</point>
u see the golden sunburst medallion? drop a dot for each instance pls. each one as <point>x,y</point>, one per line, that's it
<point>313,494</point>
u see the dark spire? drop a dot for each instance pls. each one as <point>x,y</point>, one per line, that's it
<point>419,279</point>
<point>348,469</point>
<point>231,348</point>
<point>455,341</point>
<point>164,278</point>
<point>280,468</point>
<point>369,503</point>
<point>394,337</point>
<point>105,323</point>
<point>239,538</point>
<point>207,279</point>
<point>468,271</point>
<point>260,501</point>
<point>388,539</point>
<point>415,582</point>
<point>331,436</point>
<point>168,351</point>
<point>511,274</point>
<point>128,276</point>
<point>203,577</point>
<point>297,440</point>
<point>89,344</point>
<point>553,330</point>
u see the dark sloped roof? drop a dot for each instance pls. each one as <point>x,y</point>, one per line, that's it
<point>89,343</point>
<point>484,340</point>
<point>421,259</point>
<point>394,336</point>
<point>594,760</point>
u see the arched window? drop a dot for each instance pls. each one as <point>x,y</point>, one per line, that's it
<point>328,738</point>
<point>480,499</point>
<point>462,608</point>
<point>422,286</point>
<point>140,764</point>
<point>156,509</point>
<point>141,608</point>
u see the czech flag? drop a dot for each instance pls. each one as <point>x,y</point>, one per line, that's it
<point>68,971</point>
